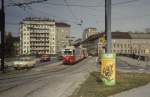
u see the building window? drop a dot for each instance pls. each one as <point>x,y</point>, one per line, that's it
<point>128,45</point>
<point>118,45</point>
<point>121,45</point>
<point>125,45</point>
<point>114,45</point>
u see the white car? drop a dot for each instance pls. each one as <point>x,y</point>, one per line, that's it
<point>6,63</point>
<point>24,63</point>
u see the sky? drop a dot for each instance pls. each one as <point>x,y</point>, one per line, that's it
<point>127,15</point>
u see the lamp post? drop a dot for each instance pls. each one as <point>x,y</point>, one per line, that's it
<point>108,59</point>
<point>2,29</point>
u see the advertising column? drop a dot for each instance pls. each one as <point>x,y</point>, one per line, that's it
<point>108,69</point>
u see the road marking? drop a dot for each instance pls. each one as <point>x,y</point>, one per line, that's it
<point>37,69</point>
<point>141,69</point>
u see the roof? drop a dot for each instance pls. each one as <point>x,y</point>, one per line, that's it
<point>140,35</point>
<point>120,35</point>
<point>58,24</point>
<point>93,37</point>
<point>90,28</point>
<point>38,19</point>
<point>61,24</point>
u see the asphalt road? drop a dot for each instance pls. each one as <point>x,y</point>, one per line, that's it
<point>11,69</point>
<point>55,80</point>
<point>53,60</point>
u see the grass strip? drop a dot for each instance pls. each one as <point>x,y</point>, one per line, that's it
<point>93,86</point>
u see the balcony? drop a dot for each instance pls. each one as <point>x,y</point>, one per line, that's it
<point>39,36</point>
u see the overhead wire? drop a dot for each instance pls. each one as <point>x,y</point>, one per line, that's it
<point>27,4</point>
<point>70,10</point>
<point>88,6</point>
<point>125,2</point>
<point>73,5</point>
<point>73,15</point>
<point>53,16</point>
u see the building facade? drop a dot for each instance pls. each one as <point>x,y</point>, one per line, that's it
<point>40,36</point>
<point>122,43</point>
<point>131,43</point>
<point>89,32</point>
<point>62,34</point>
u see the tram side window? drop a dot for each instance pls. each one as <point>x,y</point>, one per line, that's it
<point>73,52</point>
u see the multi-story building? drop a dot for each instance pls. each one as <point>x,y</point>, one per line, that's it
<point>131,43</point>
<point>62,36</point>
<point>88,32</point>
<point>122,43</point>
<point>40,36</point>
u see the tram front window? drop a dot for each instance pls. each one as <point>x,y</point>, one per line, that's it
<point>67,52</point>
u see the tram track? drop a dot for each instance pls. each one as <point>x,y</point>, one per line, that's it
<point>13,82</point>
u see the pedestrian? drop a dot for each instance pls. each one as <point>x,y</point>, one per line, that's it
<point>138,61</point>
<point>98,63</point>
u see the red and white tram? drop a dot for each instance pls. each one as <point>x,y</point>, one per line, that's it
<point>72,55</point>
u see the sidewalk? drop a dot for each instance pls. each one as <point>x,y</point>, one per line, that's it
<point>134,62</point>
<point>143,91</point>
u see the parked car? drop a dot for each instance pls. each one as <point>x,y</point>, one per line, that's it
<point>24,63</point>
<point>45,58</point>
<point>6,64</point>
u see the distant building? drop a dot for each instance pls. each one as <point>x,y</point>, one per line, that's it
<point>131,43</point>
<point>62,34</point>
<point>88,32</point>
<point>79,40</point>
<point>122,43</point>
<point>42,36</point>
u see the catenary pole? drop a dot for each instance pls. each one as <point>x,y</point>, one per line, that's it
<point>2,24</point>
<point>108,25</point>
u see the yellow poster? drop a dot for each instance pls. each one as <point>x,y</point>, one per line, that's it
<point>108,68</point>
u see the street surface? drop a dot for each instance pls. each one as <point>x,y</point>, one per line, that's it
<point>54,80</point>
<point>9,62</point>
